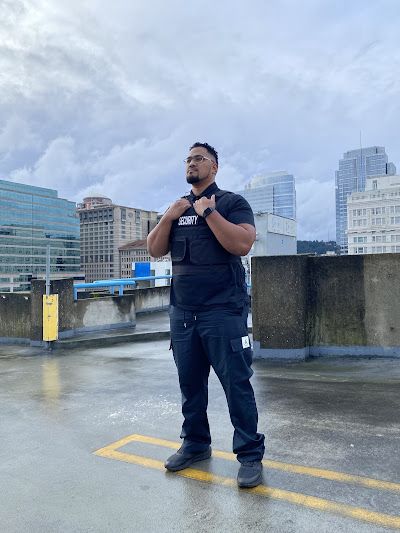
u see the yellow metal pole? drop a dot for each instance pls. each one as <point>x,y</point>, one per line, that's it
<point>50,317</point>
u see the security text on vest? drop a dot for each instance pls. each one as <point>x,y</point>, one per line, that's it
<point>189,220</point>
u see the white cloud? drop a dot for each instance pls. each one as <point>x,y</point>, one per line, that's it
<point>17,135</point>
<point>316,210</point>
<point>110,98</point>
<point>230,178</point>
<point>57,167</point>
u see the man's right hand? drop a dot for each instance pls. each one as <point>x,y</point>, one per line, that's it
<point>177,209</point>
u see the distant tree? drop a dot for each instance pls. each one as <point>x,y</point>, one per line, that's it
<point>316,247</point>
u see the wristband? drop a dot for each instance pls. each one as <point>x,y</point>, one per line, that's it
<point>208,211</point>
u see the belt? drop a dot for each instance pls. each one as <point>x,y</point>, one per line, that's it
<point>194,269</point>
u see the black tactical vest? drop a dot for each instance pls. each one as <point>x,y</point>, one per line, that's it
<point>194,244</point>
<point>204,273</point>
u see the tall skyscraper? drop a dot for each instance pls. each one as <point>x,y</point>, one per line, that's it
<point>31,218</point>
<point>272,193</point>
<point>354,168</point>
<point>105,227</point>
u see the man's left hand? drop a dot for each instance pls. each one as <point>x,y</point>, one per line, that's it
<point>203,203</point>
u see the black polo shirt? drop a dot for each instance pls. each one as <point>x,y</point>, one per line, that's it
<point>213,287</point>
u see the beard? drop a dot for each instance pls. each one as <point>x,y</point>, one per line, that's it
<point>193,179</point>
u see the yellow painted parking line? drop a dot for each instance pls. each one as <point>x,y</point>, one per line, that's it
<point>332,475</point>
<point>296,498</point>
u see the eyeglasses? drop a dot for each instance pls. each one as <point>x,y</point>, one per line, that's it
<point>196,159</point>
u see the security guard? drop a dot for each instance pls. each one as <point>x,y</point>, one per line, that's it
<point>207,232</point>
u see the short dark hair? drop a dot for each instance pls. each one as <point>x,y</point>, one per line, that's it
<point>210,149</point>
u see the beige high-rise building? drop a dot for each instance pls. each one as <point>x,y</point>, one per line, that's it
<point>105,227</point>
<point>374,217</point>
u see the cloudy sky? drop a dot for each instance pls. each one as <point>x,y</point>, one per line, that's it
<point>106,97</point>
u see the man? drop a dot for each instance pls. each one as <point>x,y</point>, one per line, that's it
<point>207,232</point>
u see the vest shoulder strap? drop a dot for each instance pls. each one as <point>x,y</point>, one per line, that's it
<point>218,194</point>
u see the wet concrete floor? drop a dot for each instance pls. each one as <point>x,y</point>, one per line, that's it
<point>57,409</point>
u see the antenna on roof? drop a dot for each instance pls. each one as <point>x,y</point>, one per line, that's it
<point>361,167</point>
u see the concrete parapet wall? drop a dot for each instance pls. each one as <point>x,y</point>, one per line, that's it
<point>15,317</point>
<point>81,316</point>
<point>21,315</point>
<point>151,299</point>
<point>307,305</point>
<point>100,314</point>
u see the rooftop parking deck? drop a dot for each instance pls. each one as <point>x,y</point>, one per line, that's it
<point>84,434</point>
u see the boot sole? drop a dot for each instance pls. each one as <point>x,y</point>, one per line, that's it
<point>202,457</point>
<point>243,485</point>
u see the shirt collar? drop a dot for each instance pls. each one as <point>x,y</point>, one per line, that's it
<point>211,189</point>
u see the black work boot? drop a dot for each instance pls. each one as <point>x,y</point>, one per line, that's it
<point>182,459</point>
<point>250,474</point>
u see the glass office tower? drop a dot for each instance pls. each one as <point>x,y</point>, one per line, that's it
<point>354,168</point>
<point>272,193</point>
<point>31,218</point>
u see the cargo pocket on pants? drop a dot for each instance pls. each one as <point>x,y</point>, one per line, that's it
<point>242,344</point>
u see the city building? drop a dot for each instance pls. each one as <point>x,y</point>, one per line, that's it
<point>136,262</point>
<point>160,268</point>
<point>354,169</point>
<point>275,235</point>
<point>374,217</point>
<point>31,219</point>
<point>105,227</point>
<point>272,193</point>
<point>136,252</point>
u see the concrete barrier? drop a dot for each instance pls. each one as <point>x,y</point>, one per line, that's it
<point>103,314</point>
<point>313,306</point>
<point>15,317</point>
<point>21,316</point>
<point>151,299</point>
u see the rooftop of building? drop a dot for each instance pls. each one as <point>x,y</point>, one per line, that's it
<point>264,214</point>
<point>368,150</point>
<point>34,190</point>
<point>100,199</point>
<point>267,178</point>
<point>22,187</point>
<point>103,420</point>
<point>134,245</point>
<point>82,207</point>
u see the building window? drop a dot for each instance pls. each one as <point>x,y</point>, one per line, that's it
<point>360,239</point>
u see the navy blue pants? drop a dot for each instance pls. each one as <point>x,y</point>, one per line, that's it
<point>217,338</point>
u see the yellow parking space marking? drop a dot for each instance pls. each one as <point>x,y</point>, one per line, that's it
<point>296,498</point>
<point>332,475</point>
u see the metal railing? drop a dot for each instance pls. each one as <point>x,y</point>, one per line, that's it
<point>120,284</point>
<point>112,284</point>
